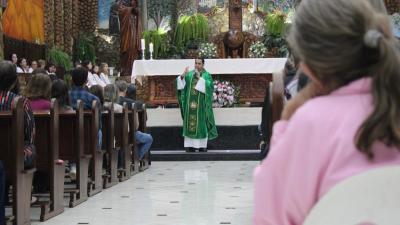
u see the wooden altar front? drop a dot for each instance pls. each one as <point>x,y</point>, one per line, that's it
<point>252,76</point>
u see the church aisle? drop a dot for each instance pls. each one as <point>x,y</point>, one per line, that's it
<point>172,193</point>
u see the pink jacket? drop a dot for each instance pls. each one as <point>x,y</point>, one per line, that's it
<point>312,152</point>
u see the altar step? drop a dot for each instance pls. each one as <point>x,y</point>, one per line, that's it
<point>210,155</point>
<point>238,136</point>
<point>229,138</point>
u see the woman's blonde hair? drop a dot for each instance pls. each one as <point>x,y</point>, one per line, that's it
<point>345,40</point>
<point>102,68</point>
<point>39,86</point>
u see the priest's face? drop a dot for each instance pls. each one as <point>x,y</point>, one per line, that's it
<point>199,65</point>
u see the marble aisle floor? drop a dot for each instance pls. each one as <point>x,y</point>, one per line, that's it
<point>172,193</point>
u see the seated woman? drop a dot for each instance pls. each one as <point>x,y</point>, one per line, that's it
<point>38,91</point>
<point>343,123</point>
<point>104,73</point>
<point>59,91</point>
<point>9,90</point>
<point>23,66</point>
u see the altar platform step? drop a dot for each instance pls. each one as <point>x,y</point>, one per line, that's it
<point>210,155</point>
<point>237,128</point>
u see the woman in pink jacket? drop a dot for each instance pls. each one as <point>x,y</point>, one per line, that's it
<point>347,121</point>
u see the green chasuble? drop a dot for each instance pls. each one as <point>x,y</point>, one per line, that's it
<point>196,108</point>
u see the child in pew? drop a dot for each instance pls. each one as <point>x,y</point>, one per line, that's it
<point>344,122</point>
<point>144,140</point>
<point>38,91</point>
<point>9,90</point>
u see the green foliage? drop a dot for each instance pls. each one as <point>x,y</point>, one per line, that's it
<point>159,40</point>
<point>275,22</point>
<point>191,28</point>
<point>59,58</point>
<point>272,41</point>
<point>84,48</point>
<point>158,10</point>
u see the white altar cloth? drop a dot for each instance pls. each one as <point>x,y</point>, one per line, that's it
<point>174,67</point>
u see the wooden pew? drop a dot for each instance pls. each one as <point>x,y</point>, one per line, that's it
<point>111,178</point>
<point>72,149</point>
<point>133,124</point>
<point>12,156</point>
<point>142,114</point>
<point>121,121</point>
<point>47,148</point>
<point>91,140</point>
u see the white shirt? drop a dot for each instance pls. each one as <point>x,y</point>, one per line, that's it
<point>20,70</point>
<point>94,79</point>
<point>104,78</point>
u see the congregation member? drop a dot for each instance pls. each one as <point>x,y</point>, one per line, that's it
<point>144,140</point>
<point>9,90</point>
<point>24,67</point>
<point>34,65</point>
<point>93,79</point>
<point>104,73</point>
<point>111,98</point>
<point>122,87</point>
<point>78,90</point>
<point>42,64</point>
<point>14,59</point>
<point>38,91</point>
<point>59,91</point>
<point>98,91</point>
<point>350,109</point>
<point>51,70</point>
<point>195,95</point>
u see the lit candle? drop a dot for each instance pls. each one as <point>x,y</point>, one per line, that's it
<point>151,47</point>
<point>143,44</point>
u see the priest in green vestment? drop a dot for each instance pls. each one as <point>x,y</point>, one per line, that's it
<point>195,94</point>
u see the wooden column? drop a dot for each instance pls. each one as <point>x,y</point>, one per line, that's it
<point>68,31</point>
<point>49,22</point>
<point>235,14</point>
<point>58,24</point>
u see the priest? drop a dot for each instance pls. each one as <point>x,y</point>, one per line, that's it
<point>195,93</point>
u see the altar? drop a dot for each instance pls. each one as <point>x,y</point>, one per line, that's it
<point>252,75</point>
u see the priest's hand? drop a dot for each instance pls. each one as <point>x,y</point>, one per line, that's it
<point>185,73</point>
<point>307,93</point>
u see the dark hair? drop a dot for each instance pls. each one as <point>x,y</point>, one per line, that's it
<point>86,63</point>
<point>39,86</point>
<point>20,62</point>
<point>48,65</point>
<point>79,76</point>
<point>121,85</point>
<point>8,75</point>
<point>98,91</point>
<point>59,90</point>
<point>131,91</point>
<point>200,58</point>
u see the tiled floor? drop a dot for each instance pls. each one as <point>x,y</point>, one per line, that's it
<point>172,193</point>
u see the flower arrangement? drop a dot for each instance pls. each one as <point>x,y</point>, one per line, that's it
<point>257,50</point>
<point>396,19</point>
<point>225,94</point>
<point>208,50</point>
<point>396,24</point>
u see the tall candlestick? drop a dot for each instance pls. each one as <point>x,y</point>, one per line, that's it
<point>151,47</point>
<point>143,44</point>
